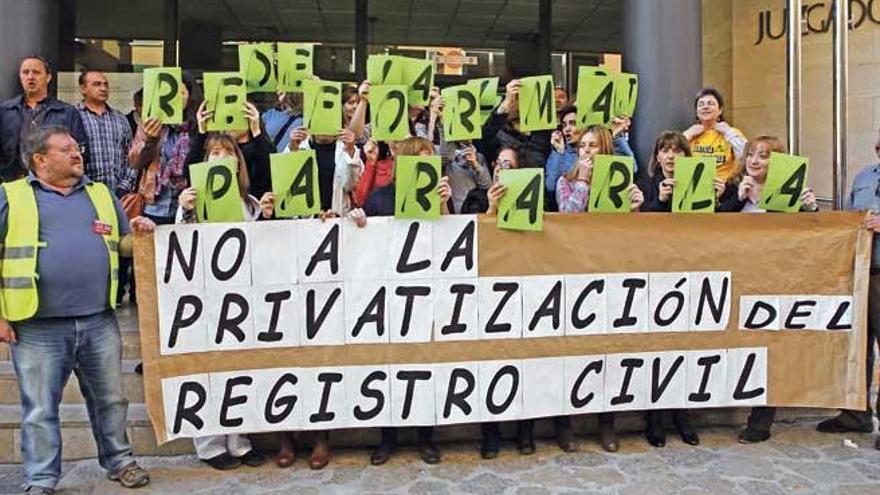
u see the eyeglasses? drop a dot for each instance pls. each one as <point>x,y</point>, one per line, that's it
<point>505,164</point>
<point>70,149</point>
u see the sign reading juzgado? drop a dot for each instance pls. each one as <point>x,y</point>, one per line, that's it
<point>309,324</point>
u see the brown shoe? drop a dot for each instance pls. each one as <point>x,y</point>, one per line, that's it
<point>286,455</point>
<point>608,437</point>
<point>320,456</point>
<point>565,438</point>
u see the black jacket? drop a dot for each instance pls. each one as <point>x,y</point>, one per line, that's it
<point>256,154</point>
<point>57,113</point>
<point>650,187</point>
<point>534,148</point>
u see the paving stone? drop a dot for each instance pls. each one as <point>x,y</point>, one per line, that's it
<point>785,464</point>
<point>761,488</point>
<point>743,467</point>
<point>825,473</point>
<point>583,459</point>
<point>385,478</point>
<point>484,484</point>
<point>426,487</point>
<point>795,451</point>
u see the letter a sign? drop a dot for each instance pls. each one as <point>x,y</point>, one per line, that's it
<point>295,184</point>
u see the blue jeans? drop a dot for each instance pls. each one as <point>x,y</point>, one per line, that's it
<point>47,350</point>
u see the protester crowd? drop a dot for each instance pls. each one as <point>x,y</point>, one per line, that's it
<point>89,168</point>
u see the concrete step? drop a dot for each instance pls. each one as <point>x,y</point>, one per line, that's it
<point>79,444</point>
<point>132,385</point>
<point>76,434</point>
<point>128,326</point>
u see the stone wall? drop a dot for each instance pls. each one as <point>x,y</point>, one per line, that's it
<point>753,78</point>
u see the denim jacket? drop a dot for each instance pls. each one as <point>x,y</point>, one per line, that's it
<point>865,195</point>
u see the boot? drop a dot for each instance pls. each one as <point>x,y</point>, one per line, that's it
<point>526,436</point>
<point>386,447</point>
<point>565,438</point>
<point>684,427</point>
<point>428,451</point>
<point>655,432</point>
<point>490,443</point>
<point>607,433</point>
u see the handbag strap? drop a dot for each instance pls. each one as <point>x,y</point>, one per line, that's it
<point>283,131</point>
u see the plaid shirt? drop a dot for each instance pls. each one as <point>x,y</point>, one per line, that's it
<point>109,140</point>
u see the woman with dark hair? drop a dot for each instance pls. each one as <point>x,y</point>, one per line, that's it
<point>712,136</point>
<point>658,186</point>
<point>222,452</point>
<point>659,182</point>
<point>503,130</point>
<point>163,152</point>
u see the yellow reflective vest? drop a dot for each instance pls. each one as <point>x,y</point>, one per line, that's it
<point>19,299</point>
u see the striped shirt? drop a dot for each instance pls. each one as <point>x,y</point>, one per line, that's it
<point>109,140</point>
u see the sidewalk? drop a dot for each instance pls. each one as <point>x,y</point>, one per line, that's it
<point>796,460</point>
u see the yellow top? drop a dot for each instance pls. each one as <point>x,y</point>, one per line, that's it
<point>713,144</point>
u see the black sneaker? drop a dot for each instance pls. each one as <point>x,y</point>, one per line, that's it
<point>253,459</point>
<point>845,423</point>
<point>382,453</point>
<point>223,462</point>
<point>429,453</point>
<point>749,435</point>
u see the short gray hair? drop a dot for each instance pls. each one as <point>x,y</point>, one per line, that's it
<point>38,142</point>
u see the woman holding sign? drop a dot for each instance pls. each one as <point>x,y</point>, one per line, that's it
<point>381,203</point>
<point>162,151</point>
<point>223,452</point>
<point>573,188</point>
<point>658,186</point>
<point>743,195</point>
<point>503,129</point>
<point>712,137</point>
<point>479,201</point>
<point>660,182</point>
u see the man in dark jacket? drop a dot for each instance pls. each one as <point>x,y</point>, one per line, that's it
<point>32,109</point>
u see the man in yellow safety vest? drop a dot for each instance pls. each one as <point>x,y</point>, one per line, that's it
<point>62,235</point>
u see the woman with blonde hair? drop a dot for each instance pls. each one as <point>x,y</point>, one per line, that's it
<point>573,188</point>
<point>743,192</point>
<point>742,195</point>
